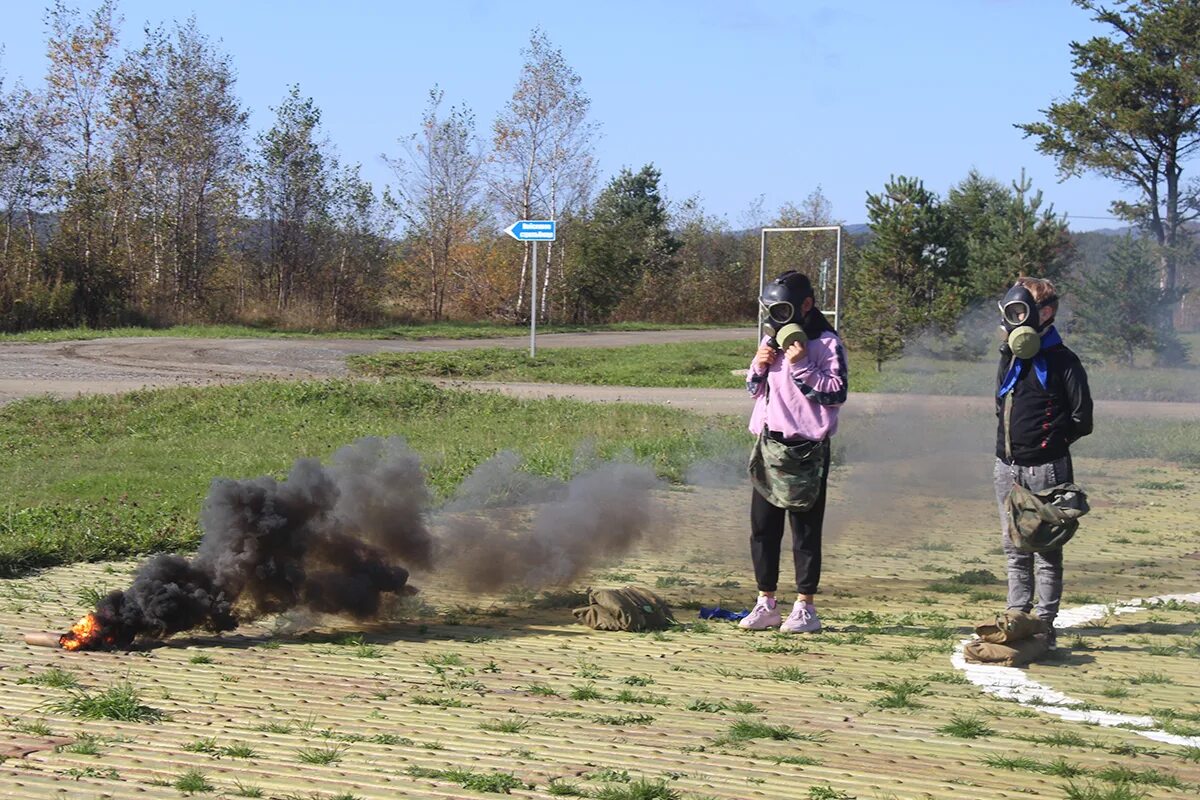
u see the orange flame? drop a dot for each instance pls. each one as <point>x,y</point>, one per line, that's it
<point>82,634</point>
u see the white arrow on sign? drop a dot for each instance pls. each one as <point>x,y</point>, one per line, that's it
<point>533,230</point>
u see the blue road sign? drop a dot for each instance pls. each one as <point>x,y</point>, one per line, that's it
<point>533,230</point>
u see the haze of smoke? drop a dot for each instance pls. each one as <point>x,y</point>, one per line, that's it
<point>897,466</point>
<point>721,471</point>
<point>329,540</point>
<point>488,541</point>
<point>915,460</point>
<point>908,468</point>
<point>500,483</point>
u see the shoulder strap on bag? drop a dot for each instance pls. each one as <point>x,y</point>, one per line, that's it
<point>1008,405</point>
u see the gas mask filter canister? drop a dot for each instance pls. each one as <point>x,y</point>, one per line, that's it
<point>1024,341</point>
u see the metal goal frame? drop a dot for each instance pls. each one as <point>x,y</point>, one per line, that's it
<point>837,279</point>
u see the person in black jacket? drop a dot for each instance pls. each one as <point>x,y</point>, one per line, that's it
<point>1043,405</point>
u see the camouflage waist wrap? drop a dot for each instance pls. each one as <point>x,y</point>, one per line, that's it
<point>788,476</point>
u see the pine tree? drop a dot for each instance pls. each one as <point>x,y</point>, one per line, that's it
<point>1117,306</point>
<point>1134,117</point>
<point>1001,233</point>
<point>905,283</point>
<point>626,240</point>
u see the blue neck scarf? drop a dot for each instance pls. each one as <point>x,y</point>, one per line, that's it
<point>1050,339</point>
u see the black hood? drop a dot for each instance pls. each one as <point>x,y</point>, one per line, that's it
<point>1018,308</point>
<point>782,300</point>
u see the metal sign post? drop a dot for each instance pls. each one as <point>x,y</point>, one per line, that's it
<point>533,303</point>
<point>533,231</point>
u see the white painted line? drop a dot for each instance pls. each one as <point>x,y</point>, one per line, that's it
<point>1011,683</point>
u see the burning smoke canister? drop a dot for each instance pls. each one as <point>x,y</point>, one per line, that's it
<point>84,635</point>
<point>44,639</point>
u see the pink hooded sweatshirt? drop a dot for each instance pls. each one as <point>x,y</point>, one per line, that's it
<point>801,400</point>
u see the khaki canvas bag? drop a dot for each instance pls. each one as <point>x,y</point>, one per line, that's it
<point>1011,627</point>
<point>633,608</point>
<point>1016,654</point>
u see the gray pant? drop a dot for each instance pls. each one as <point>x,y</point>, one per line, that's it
<point>1027,571</point>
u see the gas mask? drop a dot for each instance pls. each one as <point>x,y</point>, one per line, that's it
<point>1021,316</point>
<point>782,300</point>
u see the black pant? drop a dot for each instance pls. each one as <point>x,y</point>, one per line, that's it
<point>766,538</point>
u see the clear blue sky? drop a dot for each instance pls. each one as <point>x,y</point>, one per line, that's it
<point>730,100</point>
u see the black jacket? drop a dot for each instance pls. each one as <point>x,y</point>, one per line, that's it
<point>1044,421</point>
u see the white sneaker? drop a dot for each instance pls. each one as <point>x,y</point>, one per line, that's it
<point>765,614</point>
<point>803,619</point>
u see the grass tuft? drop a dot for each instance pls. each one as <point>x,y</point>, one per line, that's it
<point>440,702</point>
<point>630,696</point>
<point>622,720</point>
<point>207,745</point>
<point>86,744</point>
<point>745,730</point>
<point>1088,791</point>
<point>900,694</point>
<point>512,725</point>
<point>968,727</point>
<point>1059,739</point>
<point>489,782</point>
<point>246,790</point>
<point>193,782</point>
<point>794,674</point>
<point>637,680</point>
<point>321,755</point>
<point>1161,486</point>
<point>368,651</point>
<point>827,792</point>
<point>54,678</point>
<point>557,787</point>
<point>1151,678</point>
<point>121,702</point>
<point>799,761</point>
<point>1016,763</point>
<point>237,750</point>
<point>586,692</point>
<point>640,789</point>
<point>1149,777</point>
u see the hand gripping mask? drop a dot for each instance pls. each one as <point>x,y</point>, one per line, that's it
<point>782,300</point>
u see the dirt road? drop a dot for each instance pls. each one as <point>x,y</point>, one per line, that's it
<point>66,369</point>
<point>736,401</point>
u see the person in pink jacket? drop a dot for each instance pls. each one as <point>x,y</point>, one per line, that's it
<point>797,391</point>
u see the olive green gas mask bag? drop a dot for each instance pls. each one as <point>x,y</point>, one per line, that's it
<point>1046,519</point>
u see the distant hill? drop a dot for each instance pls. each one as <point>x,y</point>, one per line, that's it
<point>1110,231</point>
<point>1092,247</point>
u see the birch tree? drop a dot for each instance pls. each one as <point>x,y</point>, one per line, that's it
<point>542,163</point>
<point>438,191</point>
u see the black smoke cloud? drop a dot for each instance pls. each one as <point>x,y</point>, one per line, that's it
<point>338,539</point>
<point>330,539</point>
